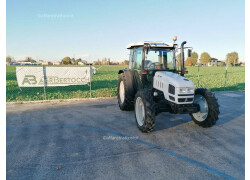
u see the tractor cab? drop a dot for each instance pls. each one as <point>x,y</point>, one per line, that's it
<point>157,56</point>
<point>150,56</point>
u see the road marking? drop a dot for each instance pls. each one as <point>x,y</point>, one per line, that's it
<point>74,155</point>
<point>231,95</point>
<point>11,171</point>
<point>179,130</point>
<point>191,161</point>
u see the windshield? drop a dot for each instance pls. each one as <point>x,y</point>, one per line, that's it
<point>159,59</point>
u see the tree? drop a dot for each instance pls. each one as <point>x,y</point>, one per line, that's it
<point>221,64</point>
<point>73,61</point>
<point>8,59</point>
<point>126,62</point>
<point>178,61</point>
<point>205,58</point>
<point>66,60</point>
<point>98,62</point>
<point>29,59</point>
<point>84,62</point>
<point>192,60</point>
<point>78,60</point>
<point>194,57</point>
<point>188,62</point>
<point>232,58</point>
<point>104,61</point>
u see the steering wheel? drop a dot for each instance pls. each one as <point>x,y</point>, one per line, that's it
<point>147,64</point>
<point>152,66</point>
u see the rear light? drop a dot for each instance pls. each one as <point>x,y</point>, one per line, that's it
<point>144,72</point>
<point>186,72</point>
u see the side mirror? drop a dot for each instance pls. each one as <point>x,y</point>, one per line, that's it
<point>189,52</point>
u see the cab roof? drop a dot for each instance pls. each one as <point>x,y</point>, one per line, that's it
<point>155,44</point>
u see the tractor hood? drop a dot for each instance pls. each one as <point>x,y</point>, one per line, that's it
<point>174,79</point>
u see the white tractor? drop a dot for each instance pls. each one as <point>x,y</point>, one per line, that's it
<point>155,83</point>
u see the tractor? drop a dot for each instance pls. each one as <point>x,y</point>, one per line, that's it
<point>154,82</point>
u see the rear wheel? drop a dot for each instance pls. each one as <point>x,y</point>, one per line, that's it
<point>144,111</point>
<point>125,99</point>
<point>209,108</point>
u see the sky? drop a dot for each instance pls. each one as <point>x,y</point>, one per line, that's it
<point>52,29</point>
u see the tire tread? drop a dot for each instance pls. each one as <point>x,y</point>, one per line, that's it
<point>150,108</point>
<point>213,108</point>
<point>127,105</point>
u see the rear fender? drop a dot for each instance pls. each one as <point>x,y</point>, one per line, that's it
<point>121,71</point>
<point>129,81</point>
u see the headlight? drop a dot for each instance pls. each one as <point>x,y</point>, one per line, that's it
<point>182,90</point>
<point>190,90</point>
<point>186,90</point>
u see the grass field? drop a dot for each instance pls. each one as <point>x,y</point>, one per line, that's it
<point>105,81</point>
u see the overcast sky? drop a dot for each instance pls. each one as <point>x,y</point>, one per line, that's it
<point>53,29</point>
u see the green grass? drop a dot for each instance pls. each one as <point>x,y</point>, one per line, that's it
<point>105,82</point>
<point>213,78</point>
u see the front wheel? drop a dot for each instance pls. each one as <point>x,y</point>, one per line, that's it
<point>209,108</point>
<point>144,111</point>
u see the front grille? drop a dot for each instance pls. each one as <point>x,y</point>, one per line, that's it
<point>181,99</point>
<point>185,99</point>
<point>189,99</point>
<point>171,89</point>
<point>185,94</point>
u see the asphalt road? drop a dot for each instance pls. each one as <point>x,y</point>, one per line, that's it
<point>93,139</point>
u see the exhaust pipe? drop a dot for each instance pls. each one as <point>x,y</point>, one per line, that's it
<point>182,58</point>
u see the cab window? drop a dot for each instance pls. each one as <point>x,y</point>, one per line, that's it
<point>131,58</point>
<point>159,59</point>
<point>138,58</point>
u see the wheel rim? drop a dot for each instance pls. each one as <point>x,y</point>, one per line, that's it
<point>202,114</point>
<point>139,111</point>
<point>121,92</point>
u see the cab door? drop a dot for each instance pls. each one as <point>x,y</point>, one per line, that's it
<point>135,64</point>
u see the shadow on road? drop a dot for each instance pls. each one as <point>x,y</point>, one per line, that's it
<point>228,112</point>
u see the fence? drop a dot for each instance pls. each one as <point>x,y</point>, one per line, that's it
<point>218,78</point>
<point>104,83</point>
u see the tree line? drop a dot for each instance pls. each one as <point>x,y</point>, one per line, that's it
<point>232,58</point>
<point>67,60</point>
<point>27,59</point>
<point>72,61</point>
